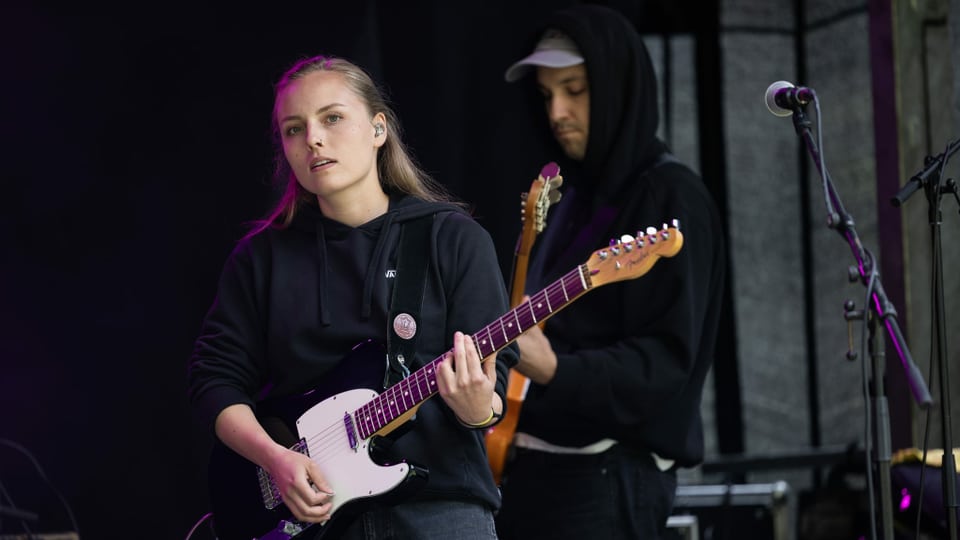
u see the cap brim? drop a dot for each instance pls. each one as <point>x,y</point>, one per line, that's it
<point>546,58</point>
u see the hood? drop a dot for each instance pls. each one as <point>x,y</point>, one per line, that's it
<point>623,98</point>
<point>311,220</point>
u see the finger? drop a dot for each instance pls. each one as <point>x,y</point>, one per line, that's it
<point>534,331</point>
<point>319,481</point>
<point>461,359</point>
<point>490,368</point>
<point>472,361</point>
<point>313,514</point>
<point>313,506</point>
<point>445,375</point>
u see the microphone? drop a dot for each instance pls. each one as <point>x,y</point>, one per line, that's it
<point>783,97</point>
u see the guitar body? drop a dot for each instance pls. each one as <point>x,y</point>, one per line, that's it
<point>359,476</point>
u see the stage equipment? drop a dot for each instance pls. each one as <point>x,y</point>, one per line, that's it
<point>880,310</point>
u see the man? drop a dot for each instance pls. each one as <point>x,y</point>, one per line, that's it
<point>616,378</point>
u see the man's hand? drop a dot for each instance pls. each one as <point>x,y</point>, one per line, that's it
<point>537,362</point>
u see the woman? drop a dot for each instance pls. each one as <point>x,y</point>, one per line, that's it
<point>316,277</point>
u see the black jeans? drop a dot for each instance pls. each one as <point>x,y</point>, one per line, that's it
<point>618,494</point>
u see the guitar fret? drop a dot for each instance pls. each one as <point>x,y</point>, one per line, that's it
<point>516,319</point>
<point>583,278</point>
<point>374,414</point>
<point>406,395</point>
<point>483,341</point>
<point>381,417</point>
<point>363,415</point>
<point>397,397</point>
<point>476,344</point>
<point>392,403</point>
<point>532,313</point>
<point>503,329</point>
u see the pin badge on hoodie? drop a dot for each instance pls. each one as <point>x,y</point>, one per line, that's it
<point>404,326</point>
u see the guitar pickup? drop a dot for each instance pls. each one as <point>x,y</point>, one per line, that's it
<point>348,426</point>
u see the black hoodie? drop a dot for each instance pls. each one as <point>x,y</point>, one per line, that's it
<point>292,303</point>
<point>632,355</point>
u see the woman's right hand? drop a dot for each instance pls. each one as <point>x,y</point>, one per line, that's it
<point>299,480</point>
<point>301,485</point>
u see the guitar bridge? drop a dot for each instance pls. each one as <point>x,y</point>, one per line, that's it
<point>268,488</point>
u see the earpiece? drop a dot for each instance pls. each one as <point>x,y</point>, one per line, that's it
<point>377,129</point>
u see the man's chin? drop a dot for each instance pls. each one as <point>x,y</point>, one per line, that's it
<point>574,153</point>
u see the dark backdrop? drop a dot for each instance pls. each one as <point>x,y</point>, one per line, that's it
<point>135,146</point>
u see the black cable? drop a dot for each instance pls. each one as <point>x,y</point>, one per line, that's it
<point>833,219</point>
<point>196,525</point>
<point>923,458</point>
<point>43,475</point>
<point>867,425</point>
<point>937,262</point>
<point>13,505</point>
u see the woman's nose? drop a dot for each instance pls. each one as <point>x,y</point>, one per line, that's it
<point>315,137</point>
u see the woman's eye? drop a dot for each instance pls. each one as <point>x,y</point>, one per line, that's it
<point>333,118</point>
<point>292,130</point>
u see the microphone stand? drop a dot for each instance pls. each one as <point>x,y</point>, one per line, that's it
<point>885,313</point>
<point>931,184</point>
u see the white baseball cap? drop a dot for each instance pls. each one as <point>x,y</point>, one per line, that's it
<point>555,49</point>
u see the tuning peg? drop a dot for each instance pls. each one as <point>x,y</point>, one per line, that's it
<point>614,246</point>
<point>676,223</point>
<point>627,242</point>
<point>652,234</point>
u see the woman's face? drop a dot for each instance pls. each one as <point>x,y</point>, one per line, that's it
<point>329,138</point>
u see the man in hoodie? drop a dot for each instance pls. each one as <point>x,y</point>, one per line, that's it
<point>616,378</point>
<point>325,272</point>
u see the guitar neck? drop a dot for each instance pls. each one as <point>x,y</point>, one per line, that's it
<point>409,393</point>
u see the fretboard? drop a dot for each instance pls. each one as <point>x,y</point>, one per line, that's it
<point>395,401</point>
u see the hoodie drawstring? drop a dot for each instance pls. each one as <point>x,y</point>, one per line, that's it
<point>367,300</point>
<point>322,249</point>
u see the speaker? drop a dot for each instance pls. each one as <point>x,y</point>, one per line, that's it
<point>735,511</point>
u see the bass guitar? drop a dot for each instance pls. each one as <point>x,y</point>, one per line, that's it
<point>340,422</point>
<point>544,192</point>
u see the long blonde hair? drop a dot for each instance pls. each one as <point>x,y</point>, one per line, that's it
<point>396,168</point>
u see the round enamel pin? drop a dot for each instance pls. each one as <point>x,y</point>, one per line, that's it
<point>404,326</point>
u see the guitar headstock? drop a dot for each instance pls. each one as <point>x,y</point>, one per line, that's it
<point>629,257</point>
<point>544,192</point>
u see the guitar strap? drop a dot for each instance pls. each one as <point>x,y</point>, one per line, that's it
<point>408,286</point>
